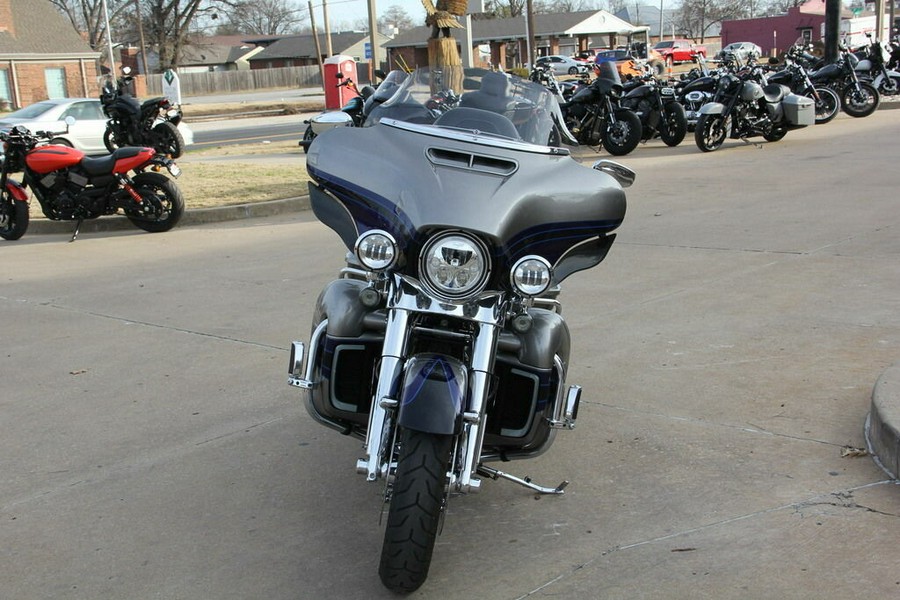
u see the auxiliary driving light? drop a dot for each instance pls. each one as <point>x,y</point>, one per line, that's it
<point>531,275</point>
<point>376,250</point>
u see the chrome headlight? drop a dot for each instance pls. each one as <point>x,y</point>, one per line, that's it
<point>454,265</point>
<point>376,250</point>
<point>530,276</point>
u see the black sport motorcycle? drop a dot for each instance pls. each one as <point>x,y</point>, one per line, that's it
<point>152,123</point>
<point>744,106</point>
<point>442,345</point>
<point>595,116</point>
<point>873,66</point>
<point>858,98</point>
<point>71,186</point>
<point>356,110</point>
<point>657,107</point>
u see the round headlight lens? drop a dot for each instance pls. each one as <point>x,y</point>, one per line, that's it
<point>376,250</point>
<point>530,276</point>
<point>454,266</point>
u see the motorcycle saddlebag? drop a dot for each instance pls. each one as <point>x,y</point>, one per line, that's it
<point>799,110</point>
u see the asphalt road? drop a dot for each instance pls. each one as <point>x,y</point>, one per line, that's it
<point>150,447</point>
<point>247,131</point>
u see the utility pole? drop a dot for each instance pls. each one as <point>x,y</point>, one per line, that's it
<point>327,28</point>
<point>312,22</point>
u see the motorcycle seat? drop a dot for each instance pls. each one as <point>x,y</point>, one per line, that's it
<point>103,165</point>
<point>480,120</point>
<point>494,95</point>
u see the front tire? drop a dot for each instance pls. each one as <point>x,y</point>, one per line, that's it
<point>828,105</point>
<point>711,132</point>
<point>13,217</point>
<point>624,135</point>
<point>417,502</point>
<point>673,126</point>
<point>162,206</point>
<point>167,139</point>
<point>862,103</point>
<point>110,140</point>
<point>308,137</point>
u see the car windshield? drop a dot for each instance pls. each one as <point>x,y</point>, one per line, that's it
<point>490,103</point>
<point>31,112</point>
<point>664,45</point>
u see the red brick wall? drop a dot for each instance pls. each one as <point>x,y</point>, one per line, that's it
<point>32,83</point>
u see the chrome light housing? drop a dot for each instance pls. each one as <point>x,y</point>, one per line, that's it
<point>376,250</point>
<point>454,265</point>
<point>531,276</point>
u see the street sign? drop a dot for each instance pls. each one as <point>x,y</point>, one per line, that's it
<point>368,50</point>
<point>171,86</point>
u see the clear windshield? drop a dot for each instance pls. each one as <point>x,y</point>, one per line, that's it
<point>496,104</point>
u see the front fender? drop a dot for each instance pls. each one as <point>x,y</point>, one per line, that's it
<point>16,190</point>
<point>712,108</point>
<point>433,396</point>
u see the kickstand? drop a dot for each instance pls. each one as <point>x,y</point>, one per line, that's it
<point>77,228</point>
<point>496,474</point>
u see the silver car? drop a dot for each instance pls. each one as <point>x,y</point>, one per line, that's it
<point>86,134</point>
<point>561,65</point>
<point>741,50</point>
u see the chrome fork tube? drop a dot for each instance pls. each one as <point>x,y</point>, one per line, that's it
<point>378,432</point>
<point>473,429</point>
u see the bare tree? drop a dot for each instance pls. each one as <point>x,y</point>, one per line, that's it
<point>564,6</point>
<point>87,17</point>
<point>169,23</point>
<point>267,17</point>
<point>504,8</point>
<point>695,17</point>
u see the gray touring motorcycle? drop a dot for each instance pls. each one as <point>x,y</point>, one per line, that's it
<point>442,345</point>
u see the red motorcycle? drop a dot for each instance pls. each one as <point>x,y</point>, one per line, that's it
<point>71,186</point>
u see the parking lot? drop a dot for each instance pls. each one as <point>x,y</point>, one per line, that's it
<point>728,346</point>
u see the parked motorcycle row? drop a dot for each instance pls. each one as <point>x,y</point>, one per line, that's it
<point>142,138</point>
<point>735,100</point>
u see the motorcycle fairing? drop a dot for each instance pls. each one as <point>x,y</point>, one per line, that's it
<point>433,395</point>
<point>418,182</point>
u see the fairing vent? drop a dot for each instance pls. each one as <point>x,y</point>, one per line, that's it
<point>473,162</point>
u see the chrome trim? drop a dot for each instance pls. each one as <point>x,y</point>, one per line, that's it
<point>619,172</point>
<point>484,140</point>
<point>306,381</point>
<point>559,420</point>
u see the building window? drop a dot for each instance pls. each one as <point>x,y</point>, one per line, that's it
<point>56,82</point>
<point>5,92</point>
<point>806,34</point>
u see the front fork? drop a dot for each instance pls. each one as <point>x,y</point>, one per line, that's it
<point>379,436</point>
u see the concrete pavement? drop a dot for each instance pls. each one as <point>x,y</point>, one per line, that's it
<point>728,349</point>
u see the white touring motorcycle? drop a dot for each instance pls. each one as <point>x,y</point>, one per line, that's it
<point>442,344</point>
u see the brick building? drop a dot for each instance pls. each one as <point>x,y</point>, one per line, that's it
<point>41,55</point>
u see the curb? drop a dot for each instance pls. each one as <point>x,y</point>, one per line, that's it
<point>198,216</point>
<point>883,424</point>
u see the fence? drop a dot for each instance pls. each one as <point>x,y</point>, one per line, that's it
<point>224,82</point>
